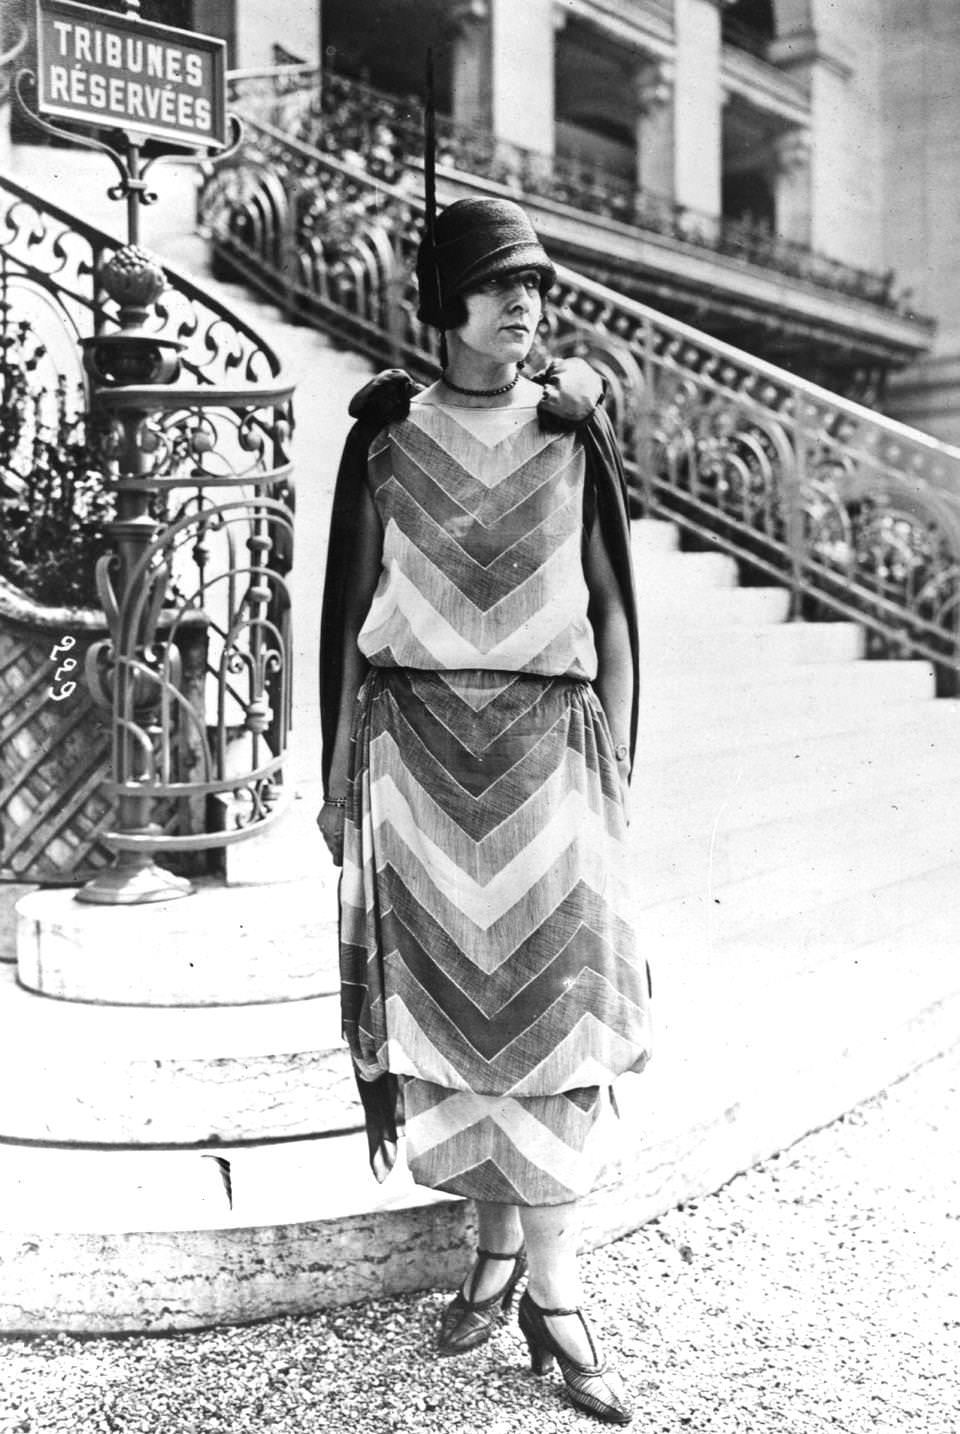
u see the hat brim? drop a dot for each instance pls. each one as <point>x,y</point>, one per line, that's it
<point>506,260</point>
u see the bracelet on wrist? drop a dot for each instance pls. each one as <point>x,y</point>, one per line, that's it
<point>335,802</point>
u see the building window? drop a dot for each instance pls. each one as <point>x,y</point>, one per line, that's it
<point>748,197</point>
<point>749,25</point>
<point>385,45</point>
<point>748,176</point>
<point>595,104</point>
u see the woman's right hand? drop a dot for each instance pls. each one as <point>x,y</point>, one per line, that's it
<point>331,820</point>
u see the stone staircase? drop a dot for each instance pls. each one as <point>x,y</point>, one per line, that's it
<point>780,776</point>
<point>180,1136</point>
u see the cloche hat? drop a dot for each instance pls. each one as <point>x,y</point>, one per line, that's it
<point>474,240</point>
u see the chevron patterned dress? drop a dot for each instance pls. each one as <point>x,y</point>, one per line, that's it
<point>486,953</point>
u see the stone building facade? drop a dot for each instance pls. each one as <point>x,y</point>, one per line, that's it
<point>803,151</point>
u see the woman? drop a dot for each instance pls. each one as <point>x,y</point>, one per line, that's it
<point>479,699</point>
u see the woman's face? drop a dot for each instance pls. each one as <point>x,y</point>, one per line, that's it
<point>502,316</point>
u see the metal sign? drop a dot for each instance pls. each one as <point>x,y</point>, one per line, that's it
<point>120,72</point>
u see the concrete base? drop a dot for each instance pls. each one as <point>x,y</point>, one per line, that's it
<point>219,947</point>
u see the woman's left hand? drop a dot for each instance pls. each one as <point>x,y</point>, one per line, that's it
<point>571,389</point>
<point>331,820</point>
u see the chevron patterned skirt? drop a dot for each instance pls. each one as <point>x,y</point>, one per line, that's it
<point>486,953</point>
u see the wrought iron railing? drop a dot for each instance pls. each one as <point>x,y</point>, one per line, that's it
<point>858,515</point>
<point>382,134</point>
<point>189,419</point>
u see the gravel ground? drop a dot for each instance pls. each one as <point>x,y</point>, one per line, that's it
<point>818,1292</point>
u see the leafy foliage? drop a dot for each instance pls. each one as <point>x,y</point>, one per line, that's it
<point>53,505</point>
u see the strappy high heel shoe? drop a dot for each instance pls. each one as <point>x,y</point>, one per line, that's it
<point>468,1322</point>
<point>588,1385</point>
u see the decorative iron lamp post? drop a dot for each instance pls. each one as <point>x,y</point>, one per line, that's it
<point>126,671</point>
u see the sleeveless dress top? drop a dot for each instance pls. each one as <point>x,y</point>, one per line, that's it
<point>482,518</point>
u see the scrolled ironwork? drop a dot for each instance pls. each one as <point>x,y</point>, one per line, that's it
<point>194,668</point>
<point>858,515</point>
<point>236,617</point>
<point>59,255</point>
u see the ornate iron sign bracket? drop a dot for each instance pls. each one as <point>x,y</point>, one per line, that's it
<point>129,161</point>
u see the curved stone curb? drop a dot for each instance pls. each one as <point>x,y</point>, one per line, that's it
<point>309,1228</point>
<point>151,1077</point>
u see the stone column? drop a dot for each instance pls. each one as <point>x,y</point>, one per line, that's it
<point>653,89</point>
<point>471,63</point>
<point>522,71</point>
<point>697,105</point>
<point>837,61</point>
<point>793,186</point>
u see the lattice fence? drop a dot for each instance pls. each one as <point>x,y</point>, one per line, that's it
<point>54,756</point>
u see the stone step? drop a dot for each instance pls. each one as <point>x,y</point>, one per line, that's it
<point>790,990</point>
<point>121,1242</point>
<point>715,694</point>
<point>801,1023</point>
<point>759,784</point>
<point>685,607</point>
<point>920,932</point>
<point>149,1077</point>
<point>721,882</point>
<point>901,910</point>
<point>653,535</point>
<point>736,744</point>
<point>292,1182</point>
<point>748,649</point>
<point>742,732</point>
<point>664,571</point>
